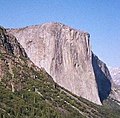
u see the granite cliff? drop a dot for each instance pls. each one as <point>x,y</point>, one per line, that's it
<point>27,91</point>
<point>66,55</point>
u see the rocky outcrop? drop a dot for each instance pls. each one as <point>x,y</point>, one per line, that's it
<point>115,93</point>
<point>66,55</point>
<point>11,53</point>
<point>10,44</point>
<point>103,77</point>
<point>115,73</point>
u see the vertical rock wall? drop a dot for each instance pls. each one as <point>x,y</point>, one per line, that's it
<point>64,53</point>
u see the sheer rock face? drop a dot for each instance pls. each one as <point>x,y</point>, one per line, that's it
<point>103,77</point>
<point>65,54</point>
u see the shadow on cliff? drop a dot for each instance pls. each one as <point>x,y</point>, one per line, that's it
<point>102,79</point>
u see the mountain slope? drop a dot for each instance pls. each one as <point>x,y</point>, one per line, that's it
<point>25,90</point>
<point>66,55</point>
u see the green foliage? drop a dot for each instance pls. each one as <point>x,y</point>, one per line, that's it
<point>37,96</point>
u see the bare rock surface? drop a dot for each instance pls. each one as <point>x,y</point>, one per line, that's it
<point>103,77</point>
<point>11,44</point>
<point>115,73</point>
<point>115,93</point>
<point>66,55</point>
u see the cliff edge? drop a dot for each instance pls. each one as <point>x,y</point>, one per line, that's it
<point>66,55</point>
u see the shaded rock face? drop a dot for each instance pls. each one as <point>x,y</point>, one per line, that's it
<point>66,55</point>
<point>102,76</point>
<point>10,51</point>
<point>10,44</point>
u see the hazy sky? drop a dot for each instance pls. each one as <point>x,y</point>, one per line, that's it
<point>101,18</point>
